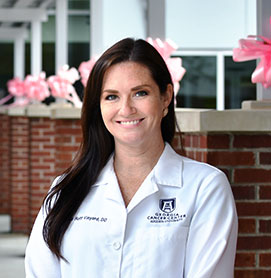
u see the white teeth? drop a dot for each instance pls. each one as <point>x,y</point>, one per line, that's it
<point>130,122</point>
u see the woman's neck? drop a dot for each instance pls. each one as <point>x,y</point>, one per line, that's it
<point>137,160</point>
<point>133,164</point>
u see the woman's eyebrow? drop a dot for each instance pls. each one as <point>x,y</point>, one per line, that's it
<point>140,87</point>
<point>109,91</point>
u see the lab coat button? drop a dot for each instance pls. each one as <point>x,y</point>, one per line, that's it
<point>116,245</point>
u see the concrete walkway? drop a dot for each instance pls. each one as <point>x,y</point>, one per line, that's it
<point>12,248</point>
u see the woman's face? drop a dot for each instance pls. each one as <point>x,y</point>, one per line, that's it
<point>131,104</point>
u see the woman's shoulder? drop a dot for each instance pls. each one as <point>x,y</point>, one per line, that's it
<point>192,169</point>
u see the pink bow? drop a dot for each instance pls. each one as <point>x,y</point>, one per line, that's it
<point>174,64</point>
<point>85,69</point>
<point>61,85</point>
<point>36,87</point>
<point>16,87</point>
<point>255,47</point>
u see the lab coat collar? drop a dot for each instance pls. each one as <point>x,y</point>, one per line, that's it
<point>169,168</point>
<point>107,173</point>
<point>167,171</point>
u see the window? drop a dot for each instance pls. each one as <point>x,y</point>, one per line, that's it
<point>200,86</point>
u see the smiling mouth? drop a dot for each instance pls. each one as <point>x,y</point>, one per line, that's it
<point>127,123</point>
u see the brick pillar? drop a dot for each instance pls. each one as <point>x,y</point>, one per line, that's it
<point>42,161</point>
<point>19,156</point>
<point>67,142</point>
<point>5,188</point>
<point>53,146</point>
<point>246,159</point>
<point>252,191</point>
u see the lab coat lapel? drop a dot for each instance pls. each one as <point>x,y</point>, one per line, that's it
<point>109,182</point>
<point>147,188</point>
<point>113,190</point>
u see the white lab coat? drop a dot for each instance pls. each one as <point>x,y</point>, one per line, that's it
<point>181,223</point>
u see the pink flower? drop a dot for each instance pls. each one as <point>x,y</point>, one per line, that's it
<point>255,47</point>
<point>36,87</point>
<point>85,69</point>
<point>61,85</point>
<point>164,48</point>
<point>16,87</point>
<point>174,64</point>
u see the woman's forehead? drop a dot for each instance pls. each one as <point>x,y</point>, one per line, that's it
<point>127,71</point>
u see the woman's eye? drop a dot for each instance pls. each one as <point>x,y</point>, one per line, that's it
<point>141,93</point>
<point>110,97</point>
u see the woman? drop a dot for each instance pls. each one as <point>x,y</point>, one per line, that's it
<point>129,206</point>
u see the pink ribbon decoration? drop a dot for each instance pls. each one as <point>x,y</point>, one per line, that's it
<point>255,47</point>
<point>85,69</point>
<point>36,87</point>
<point>61,85</point>
<point>174,64</point>
<point>16,89</point>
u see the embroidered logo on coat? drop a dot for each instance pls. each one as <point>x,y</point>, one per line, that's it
<point>167,205</point>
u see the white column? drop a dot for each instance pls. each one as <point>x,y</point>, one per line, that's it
<point>220,82</point>
<point>97,27</point>
<point>19,57</point>
<point>61,34</point>
<point>156,22</point>
<point>36,48</point>
<point>264,29</point>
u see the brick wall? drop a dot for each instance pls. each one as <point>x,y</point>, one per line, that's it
<point>5,192</point>
<point>20,172</point>
<point>246,159</point>
<point>34,150</point>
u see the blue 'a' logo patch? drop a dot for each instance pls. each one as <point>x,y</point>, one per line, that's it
<point>167,205</point>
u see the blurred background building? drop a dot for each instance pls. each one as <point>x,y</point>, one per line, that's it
<point>37,142</point>
<point>43,35</point>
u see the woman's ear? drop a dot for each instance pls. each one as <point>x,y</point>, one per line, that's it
<point>167,96</point>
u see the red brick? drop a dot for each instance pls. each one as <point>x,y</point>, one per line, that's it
<point>247,225</point>
<point>245,260</point>
<point>186,140</point>
<point>40,153</point>
<point>265,158</point>
<point>68,131</point>
<point>195,141</point>
<point>40,139</point>
<point>78,139</point>
<point>63,139</point>
<point>252,273</point>
<point>252,175</point>
<point>265,226</point>
<point>265,259</point>
<point>252,141</point>
<point>253,209</point>
<point>254,242</point>
<point>67,149</point>
<point>41,126</point>
<point>230,158</point>
<point>64,156</point>
<point>215,141</point>
<point>243,192</point>
<point>265,192</point>
<point>40,167</point>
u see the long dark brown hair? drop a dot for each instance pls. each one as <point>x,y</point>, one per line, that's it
<point>64,199</point>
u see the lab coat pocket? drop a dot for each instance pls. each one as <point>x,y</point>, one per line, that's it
<point>160,251</point>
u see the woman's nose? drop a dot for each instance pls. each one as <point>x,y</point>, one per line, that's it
<point>127,107</point>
